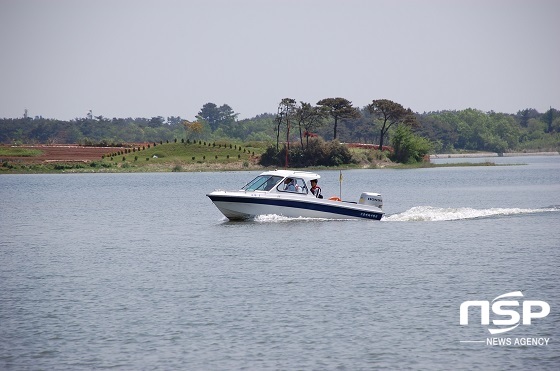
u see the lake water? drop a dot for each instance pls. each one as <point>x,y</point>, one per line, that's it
<point>141,271</point>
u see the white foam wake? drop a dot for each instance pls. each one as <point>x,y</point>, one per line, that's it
<point>273,218</point>
<point>432,214</point>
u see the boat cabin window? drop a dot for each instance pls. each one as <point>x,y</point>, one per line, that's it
<point>294,185</point>
<point>262,183</point>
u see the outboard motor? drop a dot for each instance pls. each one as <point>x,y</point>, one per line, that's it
<point>369,198</point>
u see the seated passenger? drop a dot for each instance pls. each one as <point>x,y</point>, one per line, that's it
<point>315,189</point>
<point>289,185</point>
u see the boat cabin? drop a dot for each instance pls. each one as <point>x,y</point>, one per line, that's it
<point>282,181</point>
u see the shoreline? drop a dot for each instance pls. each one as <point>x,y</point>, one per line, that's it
<point>62,162</point>
<point>492,154</point>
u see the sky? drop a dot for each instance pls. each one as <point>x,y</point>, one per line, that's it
<point>144,58</point>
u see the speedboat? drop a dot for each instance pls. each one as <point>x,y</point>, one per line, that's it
<point>289,193</point>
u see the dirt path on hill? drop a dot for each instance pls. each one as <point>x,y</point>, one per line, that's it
<point>63,153</point>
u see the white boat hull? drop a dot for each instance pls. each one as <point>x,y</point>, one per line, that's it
<point>239,205</point>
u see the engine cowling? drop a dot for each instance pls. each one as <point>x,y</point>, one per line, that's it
<point>370,198</point>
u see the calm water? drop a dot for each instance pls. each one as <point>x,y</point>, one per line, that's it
<point>141,271</point>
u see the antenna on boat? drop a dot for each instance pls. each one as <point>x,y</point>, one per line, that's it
<point>287,151</point>
<point>340,185</point>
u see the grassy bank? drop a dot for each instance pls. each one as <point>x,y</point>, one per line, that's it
<point>153,157</point>
<point>178,156</point>
<point>184,156</point>
<point>19,152</point>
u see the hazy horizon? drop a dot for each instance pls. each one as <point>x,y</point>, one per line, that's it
<point>146,58</point>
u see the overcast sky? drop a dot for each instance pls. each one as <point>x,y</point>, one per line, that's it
<point>143,58</point>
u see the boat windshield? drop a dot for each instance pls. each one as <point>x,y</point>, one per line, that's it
<point>295,185</point>
<point>262,183</point>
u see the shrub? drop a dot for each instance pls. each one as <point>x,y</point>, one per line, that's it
<point>317,153</point>
<point>270,157</point>
<point>96,164</point>
<point>65,166</point>
<point>408,147</point>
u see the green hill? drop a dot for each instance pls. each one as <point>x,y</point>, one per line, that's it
<point>188,156</point>
<point>153,157</point>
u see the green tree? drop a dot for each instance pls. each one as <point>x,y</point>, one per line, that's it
<point>211,114</point>
<point>506,128</point>
<point>319,153</point>
<point>226,115</point>
<point>193,129</point>
<point>216,117</point>
<point>549,118</point>
<point>390,113</point>
<point>286,110</point>
<point>525,115</point>
<point>154,122</point>
<point>339,109</point>
<point>407,146</point>
<point>308,118</point>
<point>174,120</point>
<point>439,129</point>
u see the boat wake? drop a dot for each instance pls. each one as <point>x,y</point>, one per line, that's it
<point>435,214</point>
<point>419,214</point>
<point>273,218</point>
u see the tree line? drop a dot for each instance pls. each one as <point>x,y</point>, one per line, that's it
<point>330,118</point>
